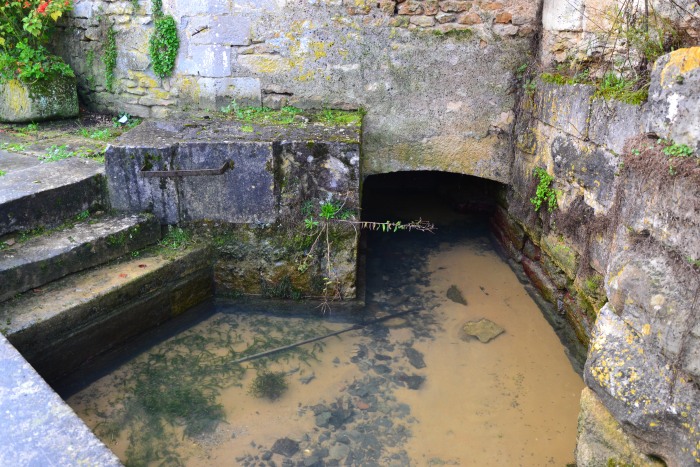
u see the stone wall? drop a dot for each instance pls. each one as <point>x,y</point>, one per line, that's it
<point>618,256</point>
<point>435,76</point>
<point>597,33</point>
<point>248,188</point>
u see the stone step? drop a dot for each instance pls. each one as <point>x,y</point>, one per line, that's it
<point>34,194</point>
<point>32,263</point>
<point>75,318</point>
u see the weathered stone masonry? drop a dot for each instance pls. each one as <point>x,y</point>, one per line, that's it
<point>617,257</point>
<point>438,79</point>
<point>435,76</point>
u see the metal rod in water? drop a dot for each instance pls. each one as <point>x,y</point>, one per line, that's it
<point>314,339</point>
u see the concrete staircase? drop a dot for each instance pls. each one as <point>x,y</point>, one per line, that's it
<point>76,280</point>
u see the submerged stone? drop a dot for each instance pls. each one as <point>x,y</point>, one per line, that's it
<point>285,447</point>
<point>454,294</point>
<point>485,330</point>
<point>415,358</point>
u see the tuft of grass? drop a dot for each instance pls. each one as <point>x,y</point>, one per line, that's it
<point>267,384</point>
<point>18,147</point>
<point>290,115</point>
<point>57,153</point>
<point>100,135</point>
<point>176,238</point>
<point>617,87</point>
<point>2,172</point>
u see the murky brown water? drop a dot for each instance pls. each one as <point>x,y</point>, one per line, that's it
<point>358,399</point>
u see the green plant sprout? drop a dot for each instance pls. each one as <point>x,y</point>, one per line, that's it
<point>333,213</point>
<point>545,194</point>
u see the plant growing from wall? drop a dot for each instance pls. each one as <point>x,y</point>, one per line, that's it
<point>164,43</point>
<point>110,57</point>
<point>322,227</point>
<point>545,194</point>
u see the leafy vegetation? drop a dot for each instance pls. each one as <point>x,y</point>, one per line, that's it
<point>677,150</point>
<point>289,115</point>
<point>634,37</point>
<point>164,43</point>
<point>544,194</point>
<point>176,238</point>
<point>25,29</point>
<point>322,226</point>
<point>110,57</point>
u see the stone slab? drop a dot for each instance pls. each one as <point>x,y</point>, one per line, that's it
<point>563,16</point>
<point>46,194</point>
<point>85,314</point>
<point>243,194</point>
<point>655,402</point>
<point>324,158</point>
<point>44,99</point>
<point>30,264</point>
<point>36,427</point>
<point>12,162</point>
<point>673,98</point>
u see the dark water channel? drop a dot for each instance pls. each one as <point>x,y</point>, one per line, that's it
<point>408,390</point>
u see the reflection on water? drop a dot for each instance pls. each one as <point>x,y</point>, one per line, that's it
<point>409,390</point>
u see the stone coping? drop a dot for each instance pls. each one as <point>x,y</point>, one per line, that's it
<point>36,427</point>
<point>162,133</point>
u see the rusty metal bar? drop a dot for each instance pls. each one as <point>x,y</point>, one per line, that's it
<point>186,173</point>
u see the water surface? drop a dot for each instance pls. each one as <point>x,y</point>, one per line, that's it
<point>408,390</point>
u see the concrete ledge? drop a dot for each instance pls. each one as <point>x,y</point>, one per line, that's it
<point>47,194</point>
<point>85,314</point>
<point>36,426</point>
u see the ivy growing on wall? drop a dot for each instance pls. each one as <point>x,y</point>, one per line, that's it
<point>110,57</point>
<point>164,43</point>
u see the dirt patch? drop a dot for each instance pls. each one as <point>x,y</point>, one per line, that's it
<point>87,135</point>
<point>645,155</point>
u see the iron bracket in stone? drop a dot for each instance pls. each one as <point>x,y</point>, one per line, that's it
<point>187,173</point>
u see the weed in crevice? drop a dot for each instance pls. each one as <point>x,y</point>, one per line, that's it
<point>544,194</point>
<point>2,173</point>
<point>629,91</point>
<point>176,238</point>
<point>110,57</point>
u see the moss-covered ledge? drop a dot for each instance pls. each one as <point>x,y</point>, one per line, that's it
<point>49,98</point>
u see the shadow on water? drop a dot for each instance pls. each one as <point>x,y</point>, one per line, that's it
<point>408,389</point>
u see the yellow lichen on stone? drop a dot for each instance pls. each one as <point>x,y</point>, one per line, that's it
<point>17,97</point>
<point>190,90</point>
<point>680,61</point>
<point>265,63</point>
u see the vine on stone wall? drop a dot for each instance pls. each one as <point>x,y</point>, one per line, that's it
<point>164,43</point>
<point>110,57</point>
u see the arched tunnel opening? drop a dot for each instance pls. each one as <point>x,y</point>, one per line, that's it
<point>439,197</point>
<point>485,363</point>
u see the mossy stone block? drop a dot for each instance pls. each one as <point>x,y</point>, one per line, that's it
<point>45,99</point>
